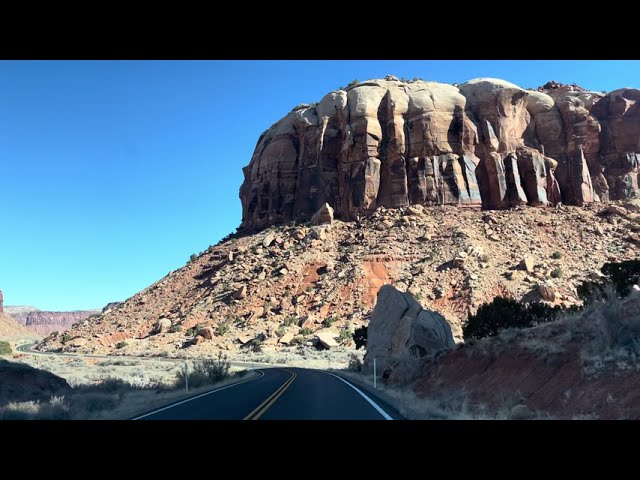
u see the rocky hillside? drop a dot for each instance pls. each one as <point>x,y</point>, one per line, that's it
<point>302,282</point>
<point>392,143</point>
<point>10,328</point>
<point>44,322</point>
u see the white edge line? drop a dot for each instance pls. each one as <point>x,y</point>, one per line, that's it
<point>373,404</point>
<point>198,396</point>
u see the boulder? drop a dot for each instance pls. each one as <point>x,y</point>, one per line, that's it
<point>268,239</point>
<point>162,326</point>
<point>547,292</point>
<point>323,216</point>
<point>240,293</point>
<point>401,330</point>
<point>206,333</point>
<point>327,338</point>
<point>527,263</point>
<point>286,338</point>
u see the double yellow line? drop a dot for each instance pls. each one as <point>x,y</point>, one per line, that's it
<point>264,406</point>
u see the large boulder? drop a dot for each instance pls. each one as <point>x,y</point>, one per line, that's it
<point>322,216</point>
<point>162,326</point>
<point>400,331</point>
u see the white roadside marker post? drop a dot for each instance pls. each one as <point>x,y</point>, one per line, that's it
<point>375,383</point>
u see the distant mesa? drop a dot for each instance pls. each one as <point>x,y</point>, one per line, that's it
<point>487,142</point>
<point>45,322</point>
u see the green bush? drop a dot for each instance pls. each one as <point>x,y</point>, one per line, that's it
<point>503,313</point>
<point>306,331</point>
<point>175,328</point>
<point>556,273</point>
<point>222,329</point>
<point>297,340</point>
<point>5,348</point>
<point>290,321</point>
<point>121,344</point>
<point>556,255</point>
<point>360,337</point>
<point>345,336</point>
<point>327,322</point>
<point>623,276</point>
<point>65,338</point>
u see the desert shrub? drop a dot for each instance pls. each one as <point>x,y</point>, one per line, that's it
<point>345,336</point>
<point>297,340</point>
<point>55,409</point>
<point>355,364</point>
<point>5,348</point>
<point>222,329</point>
<point>193,331</point>
<point>175,328</point>
<point>193,258</point>
<point>121,344</point>
<point>556,255</point>
<point>290,321</point>
<point>205,372</point>
<point>65,338</point>
<point>622,275</point>
<point>556,273</point>
<point>95,401</point>
<point>360,337</point>
<point>327,322</point>
<point>306,331</point>
<point>503,313</point>
<point>281,330</point>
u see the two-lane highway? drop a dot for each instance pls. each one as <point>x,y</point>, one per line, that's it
<point>281,394</point>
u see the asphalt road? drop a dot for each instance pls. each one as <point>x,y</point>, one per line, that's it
<point>281,394</point>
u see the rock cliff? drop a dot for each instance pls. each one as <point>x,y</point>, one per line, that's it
<point>487,142</point>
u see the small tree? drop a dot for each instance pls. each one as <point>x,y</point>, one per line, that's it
<point>360,337</point>
<point>5,348</point>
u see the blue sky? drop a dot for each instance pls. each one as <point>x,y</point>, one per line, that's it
<point>113,172</point>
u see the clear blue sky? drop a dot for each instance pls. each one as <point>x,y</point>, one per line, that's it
<point>113,172</point>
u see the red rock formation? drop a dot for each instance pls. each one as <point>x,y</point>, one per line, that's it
<point>392,143</point>
<point>45,323</point>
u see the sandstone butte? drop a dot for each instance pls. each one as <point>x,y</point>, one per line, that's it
<point>488,142</point>
<point>394,161</point>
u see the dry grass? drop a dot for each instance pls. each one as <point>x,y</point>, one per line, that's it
<point>443,406</point>
<point>115,388</point>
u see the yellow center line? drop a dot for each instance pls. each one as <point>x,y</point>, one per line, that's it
<point>264,406</point>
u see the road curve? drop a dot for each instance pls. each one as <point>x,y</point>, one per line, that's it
<point>281,394</point>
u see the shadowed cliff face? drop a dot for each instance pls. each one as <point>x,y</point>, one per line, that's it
<point>487,142</point>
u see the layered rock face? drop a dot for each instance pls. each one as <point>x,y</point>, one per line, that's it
<point>487,142</point>
<point>45,323</point>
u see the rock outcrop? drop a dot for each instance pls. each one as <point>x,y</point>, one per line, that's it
<point>386,142</point>
<point>22,383</point>
<point>1,302</point>
<point>400,329</point>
